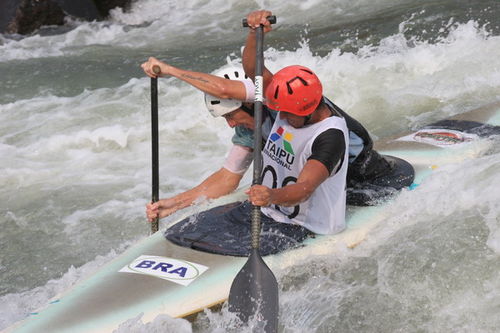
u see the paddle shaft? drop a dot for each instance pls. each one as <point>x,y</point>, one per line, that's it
<point>271,19</point>
<point>154,145</point>
<point>257,145</point>
<point>254,291</point>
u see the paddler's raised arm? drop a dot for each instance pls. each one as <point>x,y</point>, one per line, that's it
<point>208,83</point>
<point>254,19</point>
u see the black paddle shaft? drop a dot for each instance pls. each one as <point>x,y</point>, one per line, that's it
<point>257,145</point>
<point>154,145</point>
<point>257,155</point>
<point>271,19</point>
<point>254,292</point>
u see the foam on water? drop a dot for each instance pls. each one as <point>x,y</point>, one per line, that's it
<point>76,175</point>
<point>177,24</point>
<point>148,24</point>
<point>430,266</point>
<point>419,81</point>
<point>17,306</point>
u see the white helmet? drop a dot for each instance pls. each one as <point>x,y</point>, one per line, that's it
<point>219,106</point>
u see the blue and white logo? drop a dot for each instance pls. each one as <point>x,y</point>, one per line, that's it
<point>178,271</point>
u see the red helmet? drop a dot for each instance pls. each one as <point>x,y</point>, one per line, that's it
<point>295,89</point>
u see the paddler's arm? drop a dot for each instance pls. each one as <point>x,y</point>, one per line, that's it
<point>311,176</point>
<point>220,183</point>
<point>254,19</point>
<point>208,83</point>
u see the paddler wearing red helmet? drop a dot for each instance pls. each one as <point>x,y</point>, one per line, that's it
<point>305,156</point>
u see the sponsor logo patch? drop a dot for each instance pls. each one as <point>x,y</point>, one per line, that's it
<point>174,270</point>
<point>439,137</point>
<point>287,139</point>
<point>283,153</point>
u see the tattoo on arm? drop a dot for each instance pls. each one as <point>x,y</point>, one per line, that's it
<point>188,76</point>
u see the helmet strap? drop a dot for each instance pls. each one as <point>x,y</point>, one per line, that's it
<point>307,119</point>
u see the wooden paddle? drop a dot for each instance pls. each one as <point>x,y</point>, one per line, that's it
<point>154,144</point>
<point>254,292</point>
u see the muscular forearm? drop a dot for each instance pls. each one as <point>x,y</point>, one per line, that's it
<point>221,183</point>
<point>254,20</point>
<point>291,195</point>
<point>312,175</point>
<point>248,57</point>
<point>210,84</point>
<point>249,60</point>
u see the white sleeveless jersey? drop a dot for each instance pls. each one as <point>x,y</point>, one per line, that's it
<point>284,155</point>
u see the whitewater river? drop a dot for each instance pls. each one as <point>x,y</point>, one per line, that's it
<point>75,153</point>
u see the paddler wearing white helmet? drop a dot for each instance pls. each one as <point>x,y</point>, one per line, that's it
<point>229,93</point>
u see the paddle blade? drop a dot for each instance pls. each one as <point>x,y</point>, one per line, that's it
<point>254,293</point>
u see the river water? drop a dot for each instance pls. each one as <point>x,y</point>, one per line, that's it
<point>75,153</point>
